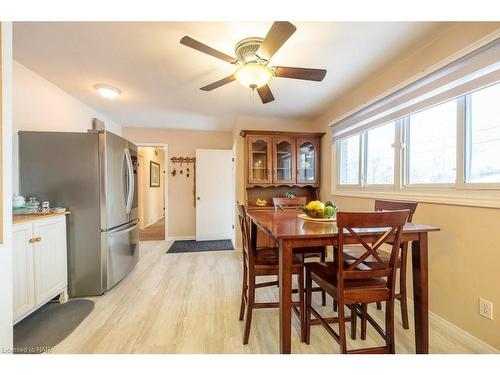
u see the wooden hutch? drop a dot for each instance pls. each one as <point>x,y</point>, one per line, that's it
<point>278,162</point>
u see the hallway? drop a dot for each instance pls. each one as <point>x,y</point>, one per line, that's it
<point>155,232</point>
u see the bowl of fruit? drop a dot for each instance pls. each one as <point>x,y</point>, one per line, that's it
<point>319,211</point>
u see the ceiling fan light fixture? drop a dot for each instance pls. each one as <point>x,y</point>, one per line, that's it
<point>253,75</point>
<point>107,91</point>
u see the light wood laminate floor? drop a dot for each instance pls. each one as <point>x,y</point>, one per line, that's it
<point>189,303</point>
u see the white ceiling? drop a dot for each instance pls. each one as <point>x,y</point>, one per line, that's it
<point>160,78</point>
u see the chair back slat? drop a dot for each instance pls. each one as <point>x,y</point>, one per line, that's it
<point>354,225</point>
<point>246,234</point>
<point>289,203</point>
<point>389,205</point>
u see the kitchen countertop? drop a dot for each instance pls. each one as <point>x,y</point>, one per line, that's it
<point>17,219</point>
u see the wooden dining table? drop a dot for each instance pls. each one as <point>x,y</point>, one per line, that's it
<point>292,232</point>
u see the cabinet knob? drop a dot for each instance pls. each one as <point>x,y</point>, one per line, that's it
<point>32,240</point>
<point>38,239</point>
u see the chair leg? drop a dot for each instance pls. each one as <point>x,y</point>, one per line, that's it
<point>364,312</point>
<point>322,258</point>
<point>243,290</point>
<point>335,305</point>
<point>342,332</point>
<point>302,305</point>
<point>389,325</point>
<point>250,302</point>
<point>402,289</point>
<point>308,307</point>
<point>354,320</point>
<point>379,305</point>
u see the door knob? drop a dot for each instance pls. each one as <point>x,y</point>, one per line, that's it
<point>197,198</point>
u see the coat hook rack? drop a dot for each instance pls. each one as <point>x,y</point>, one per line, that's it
<point>180,160</point>
<point>184,160</point>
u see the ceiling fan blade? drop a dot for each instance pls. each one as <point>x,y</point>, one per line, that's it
<point>218,83</point>
<point>300,73</point>
<point>190,42</point>
<point>277,35</point>
<point>265,94</point>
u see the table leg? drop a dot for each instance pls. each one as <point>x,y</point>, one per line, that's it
<point>421,293</point>
<point>285,251</point>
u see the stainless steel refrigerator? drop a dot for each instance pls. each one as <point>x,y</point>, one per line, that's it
<point>94,175</point>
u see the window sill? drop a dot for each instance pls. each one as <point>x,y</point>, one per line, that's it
<point>450,197</point>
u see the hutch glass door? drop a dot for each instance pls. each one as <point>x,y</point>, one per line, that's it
<point>259,159</point>
<point>307,161</point>
<point>284,160</point>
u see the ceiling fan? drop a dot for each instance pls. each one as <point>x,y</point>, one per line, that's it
<point>252,59</point>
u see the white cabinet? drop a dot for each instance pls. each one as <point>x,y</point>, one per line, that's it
<point>23,293</point>
<point>39,264</point>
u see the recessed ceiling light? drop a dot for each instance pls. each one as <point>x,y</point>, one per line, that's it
<point>107,91</point>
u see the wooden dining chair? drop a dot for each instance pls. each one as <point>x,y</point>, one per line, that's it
<point>283,203</point>
<point>263,262</point>
<point>351,282</point>
<point>401,262</point>
<point>297,203</point>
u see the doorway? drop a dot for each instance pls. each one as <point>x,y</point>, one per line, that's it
<point>152,188</point>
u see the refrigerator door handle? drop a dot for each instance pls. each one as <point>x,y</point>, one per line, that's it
<point>123,231</point>
<point>130,168</point>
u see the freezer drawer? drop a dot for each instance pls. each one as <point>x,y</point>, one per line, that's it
<point>121,252</point>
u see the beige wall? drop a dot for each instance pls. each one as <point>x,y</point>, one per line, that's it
<point>39,105</point>
<point>464,258</point>
<point>181,210</point>
<point>151,201</point>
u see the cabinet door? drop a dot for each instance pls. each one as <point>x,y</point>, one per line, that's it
<point>23,294</point>
<point>49,257</point>
<point>284,160</point>
<point>307,161</point>
<point>259,160</point>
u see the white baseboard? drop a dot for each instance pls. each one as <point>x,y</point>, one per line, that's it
<point>457,332</point>
<point>181,238</point>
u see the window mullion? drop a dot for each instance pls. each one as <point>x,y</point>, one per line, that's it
<point>405,170</point>
<point>363,159</point>
<point>462,141</point>
<point>398,147</point>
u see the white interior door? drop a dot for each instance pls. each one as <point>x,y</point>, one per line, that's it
<point>214,194</point>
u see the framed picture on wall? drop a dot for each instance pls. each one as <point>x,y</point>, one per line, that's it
<point>154,174</point>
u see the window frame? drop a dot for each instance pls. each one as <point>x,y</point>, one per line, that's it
<point>360,172</point>
<point>406,157</point>
<point>460,192</point>
<point>465,130</point>
<point>365,159</point>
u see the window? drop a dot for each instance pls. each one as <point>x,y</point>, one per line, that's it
<point>431,139</point>
<point>449,152</point>
<point>482,159</point>
<point>380,155</point>
<point>349,160</point>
